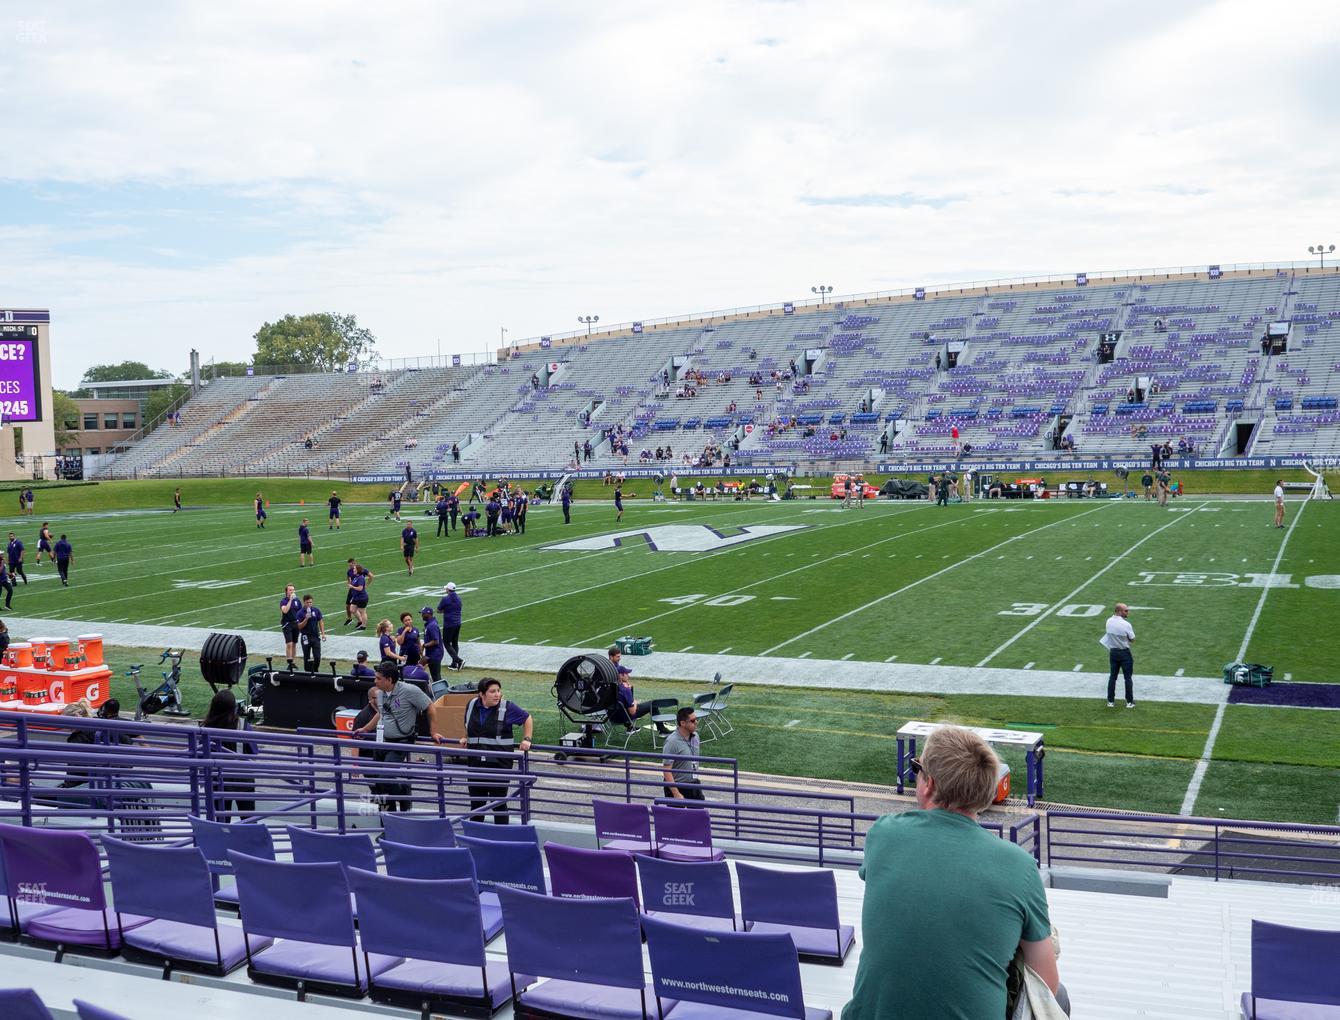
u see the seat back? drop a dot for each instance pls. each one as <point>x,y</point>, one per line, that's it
<point>22,1004</point>
<point>506,865</point>
<point>421,919</point>
<point>682,826</point>
<point>215,839</point>
<point>353,850</point>
<point>304,902</point>
<point>412,831</point>
<point>168,883</point>
<point>617,820</point>
<point>723,696</point>
<point>428,862</point>
<point>702,889</point>
<point>664,709</point>
<point>727,969</point>
<point>805,899</point>
<point>1294,964</point>
<point>88,1011</point>
<point>500,833</point>
<point>704,702</point>
<point>574,872</point>
<point>595,942</point>
<point>64,865</point>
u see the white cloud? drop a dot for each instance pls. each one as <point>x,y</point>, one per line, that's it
<point>451,169</point>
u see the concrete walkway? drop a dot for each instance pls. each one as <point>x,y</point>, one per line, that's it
<point>742,669</point>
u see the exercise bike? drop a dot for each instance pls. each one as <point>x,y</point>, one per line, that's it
<point>166,697</point>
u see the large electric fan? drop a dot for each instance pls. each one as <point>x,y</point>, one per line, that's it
<point>585,688</point>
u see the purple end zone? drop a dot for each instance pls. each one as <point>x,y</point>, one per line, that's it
<point>1295,695</point>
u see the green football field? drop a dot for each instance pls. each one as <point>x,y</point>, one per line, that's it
<point>1024,587</point>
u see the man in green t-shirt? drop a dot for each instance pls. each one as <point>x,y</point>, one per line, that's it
<point>947,903</point>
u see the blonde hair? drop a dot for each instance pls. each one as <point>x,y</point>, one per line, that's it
<point>963,766</point>
<point>82,708</point>
<point>384,627</point>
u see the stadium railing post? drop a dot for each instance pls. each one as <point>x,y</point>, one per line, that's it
<point>209,781</point>
<point>193,742</point>
<point>25,775</point>
<point>337,759</point>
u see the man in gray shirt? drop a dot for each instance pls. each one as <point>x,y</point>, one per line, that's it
<point>398,707</point>
<point>681,775</point>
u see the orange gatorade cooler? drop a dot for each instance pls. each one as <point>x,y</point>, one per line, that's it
<point>92,648</point>
<point>1002,784</point>
<point>19,654</point>
<point>58,653</point>
<point>344,720</point>
<point>39,646</point>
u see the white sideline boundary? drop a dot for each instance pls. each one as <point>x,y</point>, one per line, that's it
<point>1203,764</point>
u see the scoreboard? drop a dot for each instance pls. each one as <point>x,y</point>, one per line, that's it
<point>20,374</point>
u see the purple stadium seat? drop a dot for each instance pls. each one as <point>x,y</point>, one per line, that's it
<point>22,1004</point>
<point>726,975</point>
<point>215,839</point>
<point>1294,974</point>
<point>589,950</point>
<point>621,826</point>
<point>353,850</point>
<point>438,863</point>
<point>684,834</point>
<point>307,909</point>
<point>505,866</point>
<point>413,830</point>
<point>88,1011</point>
<point>172,886</point>
<point>434,924</point>
<point>574,872</point>
<point>500,833</point>
<point>66,866</point>
<point>803,904</point>
<point>695,894</point>
<point>23,911</point>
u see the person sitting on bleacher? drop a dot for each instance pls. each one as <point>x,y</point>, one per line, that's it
<point>947,902</point>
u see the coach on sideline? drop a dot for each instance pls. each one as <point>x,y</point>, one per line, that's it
<point>1118,638</point>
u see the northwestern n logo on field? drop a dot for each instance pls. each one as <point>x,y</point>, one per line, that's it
<point>679,537</point>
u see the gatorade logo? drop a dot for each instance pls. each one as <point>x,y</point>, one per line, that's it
<point>57,690</point>
<point>94,693</point>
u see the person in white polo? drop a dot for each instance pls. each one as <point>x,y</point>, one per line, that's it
<point>1279,502</point>
<point>1117,640</point>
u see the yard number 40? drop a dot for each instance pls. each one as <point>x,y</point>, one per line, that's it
<point>720,600</point>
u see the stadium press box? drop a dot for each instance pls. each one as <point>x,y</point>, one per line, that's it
<point>44,675</point>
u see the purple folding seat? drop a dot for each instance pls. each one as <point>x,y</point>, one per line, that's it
<point>12,924</point>
<point>499,833</point>
<point>353,850</point>
<point>438,864</point>
<point>434,925</point>
<point>88,1011</point>
<point>1294,975</point>
<point>684,834</point>
<point>418,830</point>
<point>22,1004</point>
<point>173,887</point>
<point>215,839</point>
<point>65,869</point>
<point>589,950</point>
<point>621,826</point>
<point>725,975</point>
<point>306,909</point>
<point>802,904</point>
<point>581,874</point>
<point>699,894</point>
<point>501,865</point>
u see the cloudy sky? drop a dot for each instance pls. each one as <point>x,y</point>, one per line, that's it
<point>174,175</point>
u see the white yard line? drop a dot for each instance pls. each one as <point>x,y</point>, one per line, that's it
<point>929,577</point>
<point>1066,600</point>
<point>1203,764</point>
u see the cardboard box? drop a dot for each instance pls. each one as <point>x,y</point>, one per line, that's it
<point>446,716</point>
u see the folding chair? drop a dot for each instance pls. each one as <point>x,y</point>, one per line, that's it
<point>505,866</point>
<point>173,887</point>
<point>803,904</point>
<point>716,709</point>
<point>621,826</point>
<point>307,910</point>
<point>702,708</point>
<point>589,950</point>
<point>699,895</point>
<point>662,716</point>
<point>12,925</point>
<point>434,925</point>
<point>438,864</point>
<point>713,974</point>
<point>499,833</point>
<point>582,874</point>
<point>22,1004</point>
<point>215,839</point>
<point>68,870</point>
<point>415,830</point>
<point>1293,973</point>
<point>684,834</point>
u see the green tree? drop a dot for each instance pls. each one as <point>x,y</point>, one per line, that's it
<point>161,399</point>
<point>320,340</point>
<point>65,418</point>
<point>122,371</point>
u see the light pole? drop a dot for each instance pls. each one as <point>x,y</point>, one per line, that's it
<point>502,336</point>
<point>1321,251</point>
<point>823,290</point>
<point>589,320</point>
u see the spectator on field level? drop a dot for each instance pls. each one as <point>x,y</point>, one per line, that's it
<point>432,643</point>
<point>396,722</point>
<point>222,714</point>
<point>681,773</point>
<point>64,554</point>
<point>976,899</point>
<point>626,709</point>
<point>1117,639</point>
<point>489,720</point>
<point>450,608</point>
<point>312,629</point>
<point>1147,482</point>
<point>289,608</point>
<point>361,667</point>
<point>1279,502</point>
